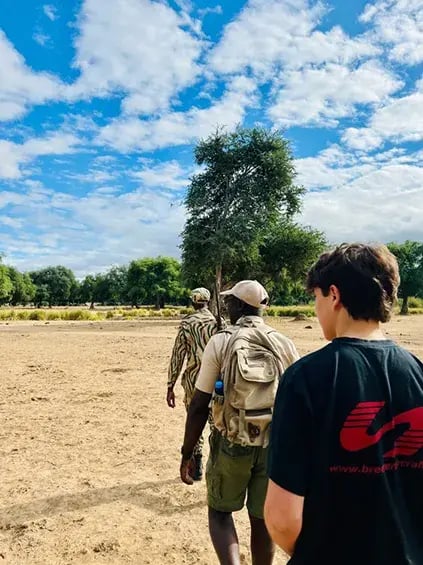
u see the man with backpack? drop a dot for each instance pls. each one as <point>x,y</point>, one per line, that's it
<point>240,371</point>
<point>193,334</point>
<point>346,455</point>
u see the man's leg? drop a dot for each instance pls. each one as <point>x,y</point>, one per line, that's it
<point>262,546</point>
<point>224,537</point>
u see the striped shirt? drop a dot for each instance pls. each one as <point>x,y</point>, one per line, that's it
<point>194,333</point>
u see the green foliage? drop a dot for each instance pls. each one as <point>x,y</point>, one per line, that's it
<point>247,184</point>
<point>108,288</point>
<point>283,259</point>
<point>54,285</point>
<point>23,288</point>
<point>155,281</point>
<point>6,285</point>
<point>42,295</point>
<point>415,302</point>
<point>87,289</point>
<point>410,260</point>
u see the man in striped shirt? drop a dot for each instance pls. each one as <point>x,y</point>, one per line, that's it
<point>193,335</point>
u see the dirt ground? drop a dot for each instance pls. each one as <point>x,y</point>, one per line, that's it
<point>89,450</point>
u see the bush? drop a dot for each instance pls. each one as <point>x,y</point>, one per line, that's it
<point>290,311</point>
<point>271,312</point>
<point>110,314</point>
<point>185,311</point>
<point>415,311</point>
<point>7,314</point>
<point>414,302</point>
<point>37,315</point>
<point>170,312</point>
<point>21,314</point>
<point>54,315</point>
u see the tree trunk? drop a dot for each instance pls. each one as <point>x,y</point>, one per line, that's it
<point>404,306</point>
<point>217,289</point>
<point>92,305</point>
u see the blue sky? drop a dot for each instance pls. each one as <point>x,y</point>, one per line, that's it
<point>101,102</point>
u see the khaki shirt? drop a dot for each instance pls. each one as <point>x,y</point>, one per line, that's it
<point>214,354</point>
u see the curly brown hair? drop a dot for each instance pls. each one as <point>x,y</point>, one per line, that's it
<point>367,277</point>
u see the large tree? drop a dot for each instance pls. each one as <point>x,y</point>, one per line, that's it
<point>57,284</point>
<point>88,290</point>
<point>155,281</point>
<point>282,260</point>
<point>246,185</point>
<point>410,260</point>
<point>6,285</point>
<point>23,288</point>
<point>107,288</point>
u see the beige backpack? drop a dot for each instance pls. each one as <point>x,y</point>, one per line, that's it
<point>252,365</point>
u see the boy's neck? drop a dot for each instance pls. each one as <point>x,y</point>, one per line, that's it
<point>360,329</point>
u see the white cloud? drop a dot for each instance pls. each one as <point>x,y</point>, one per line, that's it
<point>317,77</point>
<point>19,85</point>
<point>399,25</point>
<point>168,175</point>
<point>41,38</point>
<point>50,11</point>
<point>14,155</point>
<point>93,232</point>
<point>270,34</point>
<point>215,10</point>
<point>322,95</point>
<point>370,198</point>
<point>178,128</point>
<point>399,120</point>
<point>14,223</point>
<point>95,176</point>
<point>135,47</point>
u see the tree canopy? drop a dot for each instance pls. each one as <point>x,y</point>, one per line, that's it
<point>240,209</point>
<point>155,281</point>
<point>410,260</point>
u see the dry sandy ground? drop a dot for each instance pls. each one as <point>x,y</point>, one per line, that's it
<point>89,450</point>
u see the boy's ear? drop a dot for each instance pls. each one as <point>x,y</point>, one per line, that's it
<point>335,295</point>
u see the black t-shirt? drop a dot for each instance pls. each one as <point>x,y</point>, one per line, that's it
<point>347,434</point>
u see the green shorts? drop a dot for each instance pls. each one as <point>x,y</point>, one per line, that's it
<point>234,472</point>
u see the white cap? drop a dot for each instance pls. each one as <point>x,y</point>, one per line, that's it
<point>250,292</point>
<point>200,295</point>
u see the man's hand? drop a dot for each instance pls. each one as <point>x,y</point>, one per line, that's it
<point>170,397</point>
<point>186,470</point>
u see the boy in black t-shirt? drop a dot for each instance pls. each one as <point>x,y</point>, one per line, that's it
<point>346,456</point>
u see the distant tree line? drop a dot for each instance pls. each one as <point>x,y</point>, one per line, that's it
<point>153,281</point>
<point>280,264</point>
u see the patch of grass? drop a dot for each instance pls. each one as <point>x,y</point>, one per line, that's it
<point>184,311</point>
<point>37,315</point>
<point>290,311</point>
<point>414,302</point>
<point>415,310</point>
<point>82,315</point>
<point>7,314</point>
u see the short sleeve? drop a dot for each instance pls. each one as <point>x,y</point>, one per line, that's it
<point>291,434</point>
<point>210,365</point>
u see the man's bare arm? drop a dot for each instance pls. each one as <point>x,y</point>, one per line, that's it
<point>196,420</point>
